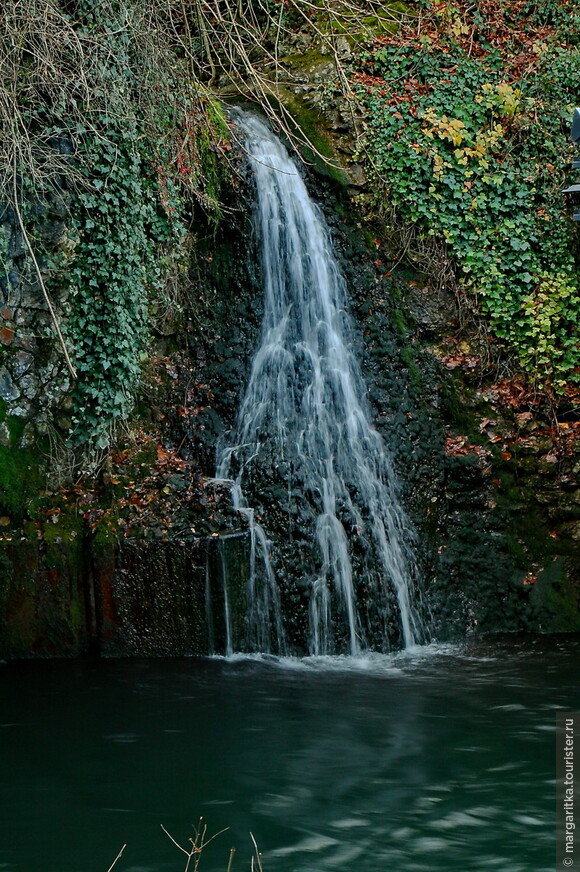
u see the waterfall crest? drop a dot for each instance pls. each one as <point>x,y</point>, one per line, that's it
<point>304,417</point>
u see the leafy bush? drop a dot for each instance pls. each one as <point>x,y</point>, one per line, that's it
<point>467,136</point>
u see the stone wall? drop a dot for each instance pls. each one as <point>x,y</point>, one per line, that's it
<point>144,598</point>
<point>34,382</point>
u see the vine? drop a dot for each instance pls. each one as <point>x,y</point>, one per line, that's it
<point>467,135</point>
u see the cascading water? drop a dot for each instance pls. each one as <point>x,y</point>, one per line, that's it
<point>303,421</point>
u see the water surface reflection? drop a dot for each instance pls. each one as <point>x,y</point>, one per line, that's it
<point>441,760</point>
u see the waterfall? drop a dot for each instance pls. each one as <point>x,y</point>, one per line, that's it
<point>304,427</point>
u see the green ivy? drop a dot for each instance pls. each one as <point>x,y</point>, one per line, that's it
<point>148,161</point>
<point>115,257</point>
<point>477,159</point>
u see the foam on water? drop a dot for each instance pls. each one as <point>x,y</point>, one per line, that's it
<point>371,662</point>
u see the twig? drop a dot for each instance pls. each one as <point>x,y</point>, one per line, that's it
<point>177,845</point>
<point>258,855</point>
<point>118,857</point>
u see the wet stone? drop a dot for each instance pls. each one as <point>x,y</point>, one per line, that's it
<point>32,297</point>
<point>48,373</point>
<point>4,435</point>
<point>22,410</point>
<point>53,232</point>
<point>32,430</point>
<point>21,363</point>
<point>16,247</point>
<point>9,392</point>
<point>25,341</point>
<point>29,385</point>
<point>535,445</point>
<point>7,334</point>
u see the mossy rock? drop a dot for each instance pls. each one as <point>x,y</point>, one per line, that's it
<point>307,123</point>
<point>556,597</point>
<point>386,19</point>
<point>310,124</point>
<point>20,481</point>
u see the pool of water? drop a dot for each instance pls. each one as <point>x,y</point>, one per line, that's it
<point>441,759</point>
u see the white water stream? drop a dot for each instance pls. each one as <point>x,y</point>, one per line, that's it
<point>305,407</point>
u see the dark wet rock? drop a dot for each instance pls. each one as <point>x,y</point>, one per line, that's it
<point>21,363</point>
<point>9,392</point>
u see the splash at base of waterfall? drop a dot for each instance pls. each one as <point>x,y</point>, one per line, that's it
<point>304,426</point>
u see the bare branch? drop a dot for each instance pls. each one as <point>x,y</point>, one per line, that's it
<point>118,857</point>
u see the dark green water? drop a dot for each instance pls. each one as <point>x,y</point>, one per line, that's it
<point>436,762</point>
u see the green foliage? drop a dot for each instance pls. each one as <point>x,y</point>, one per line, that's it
<point>147,160</point>
<point>100,109</point>
<point>115,257</point>
<point>475,155</point>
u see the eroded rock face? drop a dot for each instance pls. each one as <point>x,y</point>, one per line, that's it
<point>33,377</point>
<point>489,479</point>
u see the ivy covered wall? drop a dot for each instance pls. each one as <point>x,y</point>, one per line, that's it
<point>468,110</point>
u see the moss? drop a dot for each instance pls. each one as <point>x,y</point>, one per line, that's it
<point>305,61</point>
<point>20,481</point>
<point>68,527</point>
<point>385,20</point>
<point>214,170</point>
<point>557,599</point>
<point>455,409</point>
<point>144,460</point>
<point>76,613</point>
<point>42,604</point>
<point>6,578</point>
<point>16,426</point>
<point>309,124</point>
<point>410,356</point>
<point>105,537</point>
